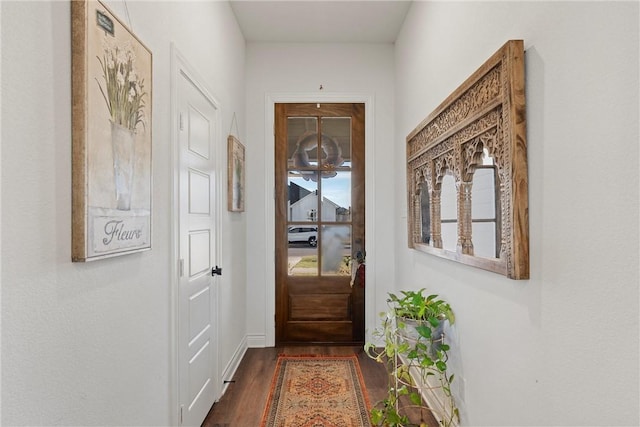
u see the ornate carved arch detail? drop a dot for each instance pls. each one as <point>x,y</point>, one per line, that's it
<point>414,202</point>
<point>442,164</point>
<point>473,152</point>
<point>472,157</point>
<point>472,101</point>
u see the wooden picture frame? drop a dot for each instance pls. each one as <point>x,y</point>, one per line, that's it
<point>111,135</point>
<point>235,174</point>
<point>478,131</point>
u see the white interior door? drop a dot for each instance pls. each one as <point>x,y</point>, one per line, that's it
<point>199,385</point>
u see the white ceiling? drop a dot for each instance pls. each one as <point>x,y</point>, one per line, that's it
<point>312,21</point>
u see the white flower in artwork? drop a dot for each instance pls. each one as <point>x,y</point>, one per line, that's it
<point>120,78</point>
<point>124,53</point>
<point>123,90</point>
<point>111,63</point>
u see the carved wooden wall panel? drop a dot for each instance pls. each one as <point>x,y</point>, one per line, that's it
<point>482,124</point>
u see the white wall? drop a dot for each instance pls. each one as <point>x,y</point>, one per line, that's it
<point>91,344</point>
<point>300,69</point>
<point>562,347</point>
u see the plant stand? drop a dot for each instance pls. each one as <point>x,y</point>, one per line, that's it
<point>415,354</point>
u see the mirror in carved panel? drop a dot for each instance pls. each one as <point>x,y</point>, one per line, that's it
<point>467,171</point>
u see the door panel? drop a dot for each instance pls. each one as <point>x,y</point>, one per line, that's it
<point>199,187</point>
<point>319,167</point>
<point>319,306</point>
<point>336,332</point>
<point>199,386</point>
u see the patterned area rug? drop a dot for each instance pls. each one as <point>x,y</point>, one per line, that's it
<point>317,391</point>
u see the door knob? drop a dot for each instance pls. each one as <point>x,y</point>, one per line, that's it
<point>216,271</point>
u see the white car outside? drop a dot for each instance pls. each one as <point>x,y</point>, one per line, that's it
<point>303,234</point>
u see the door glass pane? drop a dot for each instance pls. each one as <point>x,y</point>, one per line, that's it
<point>302,142</point>
<point>336,142</point>
<point>303,198</point>
<point>336,198</point>
<point>302,255</point>
<point>336,248</point>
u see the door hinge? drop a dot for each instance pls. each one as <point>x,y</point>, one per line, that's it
<point>181,267</point>
<point>181,411</point>
<point>181,123</point>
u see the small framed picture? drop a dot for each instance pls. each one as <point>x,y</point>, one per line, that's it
<point>235,175</point>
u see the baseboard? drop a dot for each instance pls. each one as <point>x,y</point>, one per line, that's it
<point>232,366</point>
<point>256,340</point>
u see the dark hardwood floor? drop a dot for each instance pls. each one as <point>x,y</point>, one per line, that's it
<point>244,401</point>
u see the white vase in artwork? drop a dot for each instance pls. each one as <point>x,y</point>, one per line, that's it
<point>123,143</point>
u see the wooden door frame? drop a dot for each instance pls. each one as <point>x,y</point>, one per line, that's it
<point>180,66</point>
<point>269,164</point>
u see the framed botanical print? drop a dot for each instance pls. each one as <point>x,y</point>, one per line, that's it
<point>235,175</point>
<point>111,133</point>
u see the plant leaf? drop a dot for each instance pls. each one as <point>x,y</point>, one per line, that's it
<point>376,416</point>
<point>415,398</point>
<point>451,317</point>
<point>424,331</point>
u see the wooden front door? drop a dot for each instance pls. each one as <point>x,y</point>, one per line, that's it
<point>319,175</point>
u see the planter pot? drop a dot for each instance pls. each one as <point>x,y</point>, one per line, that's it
<point>410,334</point>
<point>124,150</point>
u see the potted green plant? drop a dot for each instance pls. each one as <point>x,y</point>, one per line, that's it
<point>415,353</point>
